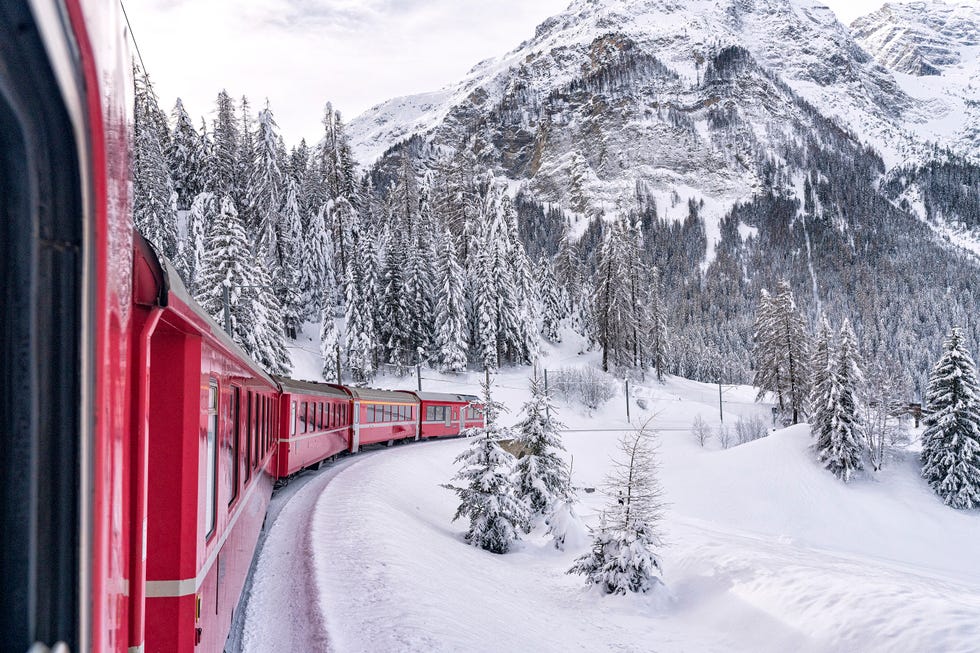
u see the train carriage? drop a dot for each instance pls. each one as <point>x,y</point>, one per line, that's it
<point>207,464</point>
<point>382,416</point>
<point>314,424</point>
<point>446,415</point>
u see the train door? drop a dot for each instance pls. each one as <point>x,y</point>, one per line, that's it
<point>45,345</point>
<point>356,441</point>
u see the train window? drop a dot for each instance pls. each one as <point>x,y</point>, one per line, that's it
<point>211,461</point>
<point>292,419</point>
<point>301,427</point>
<point>231,455</point>
<point>248,436</point>
<point>370,413</point>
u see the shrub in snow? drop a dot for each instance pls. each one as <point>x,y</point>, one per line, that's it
<point>564,525</point>
<point>881,405</point>
<point>724,436</point>
<point>487,495</point>
<point>837,423</point>
<point>585,385</point>
<point>540,474</point>
<point>748,429</point>
<point>951,441</point>
<point>700,430</point>
<point>624,556</point>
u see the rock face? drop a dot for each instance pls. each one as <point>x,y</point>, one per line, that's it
<point>920,38</point>
<point>704,98</point>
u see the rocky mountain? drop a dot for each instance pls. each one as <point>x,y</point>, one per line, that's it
<point>764,127</point>
<point>933,50</point>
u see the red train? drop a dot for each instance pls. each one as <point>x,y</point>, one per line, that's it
<point>140,443</point>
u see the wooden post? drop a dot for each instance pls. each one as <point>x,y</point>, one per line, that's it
<point>339,378</point>
<point>721,412</point>
<point>418,375</point>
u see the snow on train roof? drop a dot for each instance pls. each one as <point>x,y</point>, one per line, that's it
<point>445,396</point>
<point>374,394</point>
<point>311,387</point>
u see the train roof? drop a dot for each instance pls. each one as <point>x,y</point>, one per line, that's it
<point>171,284</point>
<point>310,387</point>
<point>446,397</point>
<point>374,394</point>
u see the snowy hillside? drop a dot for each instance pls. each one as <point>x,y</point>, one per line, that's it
<point>766,552</point>
<point>933,49</point>
<point>799,40</point>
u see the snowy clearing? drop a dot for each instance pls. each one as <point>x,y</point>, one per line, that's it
<point>767,551</point>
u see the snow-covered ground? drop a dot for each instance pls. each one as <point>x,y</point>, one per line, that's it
<point>766,551</point>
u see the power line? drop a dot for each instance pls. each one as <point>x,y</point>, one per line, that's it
<point>132,35</point>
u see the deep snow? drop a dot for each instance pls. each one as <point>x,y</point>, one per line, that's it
<point>767,551</point>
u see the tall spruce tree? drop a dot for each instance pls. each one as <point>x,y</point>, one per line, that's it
<point>540,474</point>
<point>226,264</point>
<point>451,340</point>
<point>200,219</point>
<point>184,158</point>
<point>487,494</point>
<point>154,199</point>
<point>781,352</point>
<point>839,441</point>
<point>951,441</point>
<point>659,342</point>
<point>223,165</point>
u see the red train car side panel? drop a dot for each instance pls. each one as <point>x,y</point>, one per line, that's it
<point>315,420</point>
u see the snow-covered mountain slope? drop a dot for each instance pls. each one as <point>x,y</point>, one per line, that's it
<point>801,41</point>
<point>766,551</point>
<point>933,48</point>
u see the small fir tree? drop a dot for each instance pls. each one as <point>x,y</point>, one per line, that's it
<point>488,494</point>
<point>540,473</point>
<point>951,441</point>
<point>624,555</point>
<point>839,442</point>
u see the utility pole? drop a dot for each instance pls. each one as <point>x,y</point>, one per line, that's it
<point>339,379</point>
<point>418,375</point>
<point>628,401</point>
<point>226,298</point>
<point>721,413</point>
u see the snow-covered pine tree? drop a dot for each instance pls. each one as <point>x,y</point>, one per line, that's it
<point>951,441</point>
<point>154,210</point>
<point>292,261</point>
<point>624,554</point>
<point>615,318</point>
<point>329,345</point>
<point>781,351</point>
<point>540,474</point>
<point>394,323</point>
<point>796,350</point>
<point>267,188</point>
<point>820,375</point>
<point>487,494</point>
<point>225,264</point>
<point>359,336</point>
<point>451,340</point>
<point>223,165</point>
<point>554,308</point>
<point>200,219</point>
<point>267,329</point>
<point>183,158</point>
<point>839,441</point>
<point>659,342</point>
<point>318,286</point>
<point>246,194</point>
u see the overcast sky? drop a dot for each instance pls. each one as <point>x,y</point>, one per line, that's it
<point>355,53</point>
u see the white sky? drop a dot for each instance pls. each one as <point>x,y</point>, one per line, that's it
<point>356,53</point>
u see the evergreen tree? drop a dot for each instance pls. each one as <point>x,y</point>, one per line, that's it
<point>487,496</point>
<point>200,219</point>
<point>451,341</point>
<point>616,320</point>
<point>821,372</point>
<point>266,328</point>
<point>223,165</point>
<point>318,281</point>
<point>951,441</point>
<point>659,343</point>
<point>624,555</point>
<point>394,324</point>
<point>329,345</point>
<point>782,351</point>
<point>554,308</point>
<point>540,474</point>
<point>183,158</point>
<point>839,427</point>
<point>226,265</point>
<point>154,209</point>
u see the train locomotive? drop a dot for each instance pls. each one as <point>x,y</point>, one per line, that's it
<point>142,444</point>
